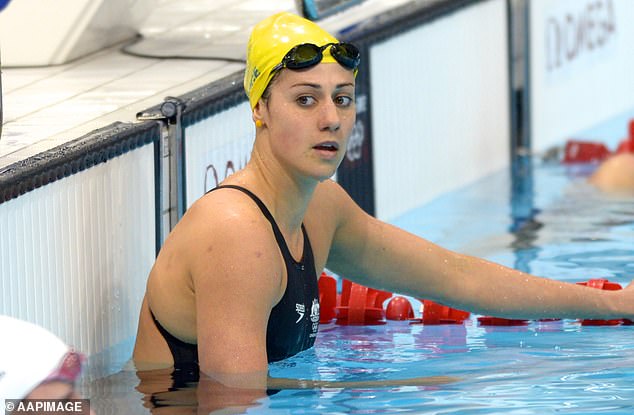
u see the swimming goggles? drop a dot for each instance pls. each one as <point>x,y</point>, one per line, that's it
<point>306,55</point>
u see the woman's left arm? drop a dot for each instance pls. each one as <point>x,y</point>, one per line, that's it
<point>376,254</point>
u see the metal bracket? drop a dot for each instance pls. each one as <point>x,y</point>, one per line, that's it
<point>172,162</point>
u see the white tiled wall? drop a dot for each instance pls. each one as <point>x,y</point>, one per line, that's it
<point>71,262</point>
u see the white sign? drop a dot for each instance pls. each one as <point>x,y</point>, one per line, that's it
<point>581,59</point>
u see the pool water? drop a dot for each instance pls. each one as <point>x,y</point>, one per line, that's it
<point>544,220</point>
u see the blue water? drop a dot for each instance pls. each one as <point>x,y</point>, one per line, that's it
<point>544,368</point>
<point>545,220</point>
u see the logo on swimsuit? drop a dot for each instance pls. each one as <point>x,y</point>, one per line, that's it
<point>301,310</point>
<point>314,311</point>
<point>314,316</point>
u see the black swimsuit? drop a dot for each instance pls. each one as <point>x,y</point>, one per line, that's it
<point>293,322</point>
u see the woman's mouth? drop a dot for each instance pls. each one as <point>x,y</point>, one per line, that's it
<point>329,146</point>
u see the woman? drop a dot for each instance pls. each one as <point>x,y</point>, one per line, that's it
<point>234,286</point>
<point>36,364</point>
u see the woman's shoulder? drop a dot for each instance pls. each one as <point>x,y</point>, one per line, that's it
<point>332,202</point>
<point>332,194</point>
<point>220,205</point>
<point>220,215</point>
<point>329,191</point>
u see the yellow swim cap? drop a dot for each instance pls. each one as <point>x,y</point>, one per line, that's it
<point>270,41</point>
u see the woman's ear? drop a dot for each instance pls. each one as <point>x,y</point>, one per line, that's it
<point>258,115</point>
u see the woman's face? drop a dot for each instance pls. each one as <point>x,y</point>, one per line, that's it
<point>309,116</point>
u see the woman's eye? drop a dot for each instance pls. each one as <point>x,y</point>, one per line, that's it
<point>305,100</point>
<point>344,101</point>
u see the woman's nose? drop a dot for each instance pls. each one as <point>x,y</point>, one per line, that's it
<point>330,118</point>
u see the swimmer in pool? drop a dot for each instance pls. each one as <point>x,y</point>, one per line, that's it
<point>615,174</point>
<point>235,285</point>
<point>35,364</point>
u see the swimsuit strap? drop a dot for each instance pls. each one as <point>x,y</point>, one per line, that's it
<point>267,214</point>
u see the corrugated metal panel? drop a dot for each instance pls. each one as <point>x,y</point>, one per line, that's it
<point>440,112</point>
<point>75,254</point>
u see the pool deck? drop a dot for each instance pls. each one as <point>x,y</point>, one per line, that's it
<point>45,107</point>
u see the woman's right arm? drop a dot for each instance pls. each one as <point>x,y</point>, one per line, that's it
<point>236,276</point>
